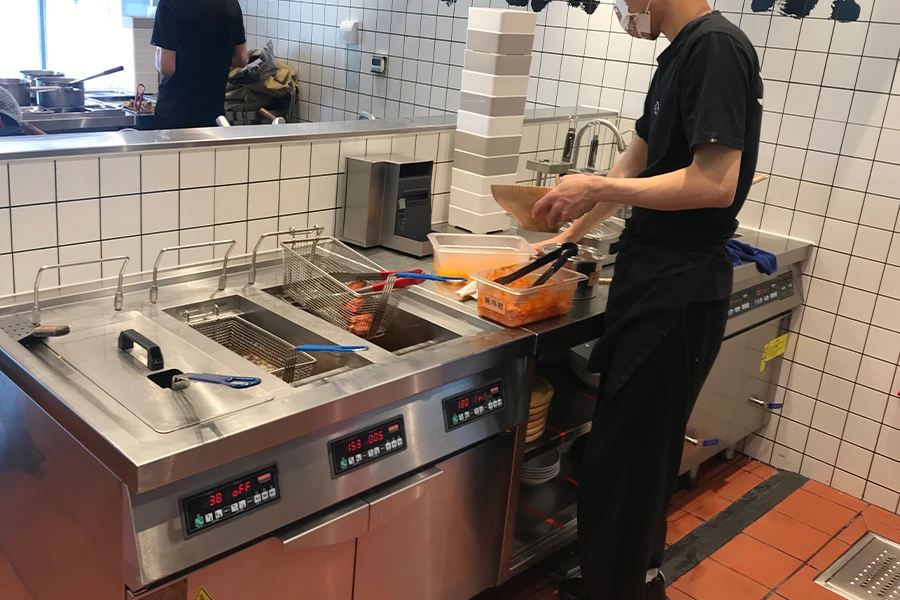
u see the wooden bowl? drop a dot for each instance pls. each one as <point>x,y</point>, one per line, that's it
<point>519,200</point>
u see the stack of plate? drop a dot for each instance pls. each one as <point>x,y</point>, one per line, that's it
<point>541,394</point>
<point>541,469</point>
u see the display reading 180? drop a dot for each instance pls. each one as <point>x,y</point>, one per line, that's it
<point>460,410</point>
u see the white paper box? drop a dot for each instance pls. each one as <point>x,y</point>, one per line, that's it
<point>502,20</point>
<point>475,223</point>
<point>489,126</point>
<point>478,184</point>
<point>494,85</point>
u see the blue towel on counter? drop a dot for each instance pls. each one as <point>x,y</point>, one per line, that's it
<point>740,253</point>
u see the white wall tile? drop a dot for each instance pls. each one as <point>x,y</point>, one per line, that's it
<point>325,158</point>
<point>5,232</point>
<point>26,265</point>
<point>197,208</point>
<point>872,243</point>
<point>159,212</point>
<point>79,222</point>
<point>152,244</point>
<point>120,216</point>
<point>120,175</point>
<point>294,196</point>
<point>32,182</point>
<point>231,204</point>
<point>198,168</point>
<point>295,160</point>
<point>4,186</point>
<point>159,171</point>
<point>263,199</point>
<point>199,235</point>
<point>232,165</point>
<point>880,496</point>
<point>854,459</point>
<point>323,193</point>
<point>231,231</point>
<point>77,178</point>
<point>829,419</point>
<point>129,246</point>
<point>33,227</point>
<point>77,253</point>
<point>265,163</point>
<point>864,274</point>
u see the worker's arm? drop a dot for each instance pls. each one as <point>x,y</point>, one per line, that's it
<point>632,163</point>
<point>709,182</point>
<point>165,62</point>
<point>239,58</point>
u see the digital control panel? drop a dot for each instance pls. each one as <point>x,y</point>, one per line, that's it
<point>228,500</point>
<point>762,294</point>
<point>460,410</point>
<point>361,448</point>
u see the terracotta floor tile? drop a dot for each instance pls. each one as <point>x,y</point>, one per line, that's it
<point>764,471</point>
<point>835,496</point>
<point>883,529</point>
<point>679,525</point>
<point>828,554</point>
<point>704,504</point>
<point>816,511</point>
<point>710,469</point>
<point>854,531</point>
<point>14,591</point>
<point>744,463</point>
<point>709,581</point>
<point>674,594</point>
<point>874,512</point>
<point>734,485</point>
<point>803,587</point>
<point>788,535</point>
<point>758,561</point>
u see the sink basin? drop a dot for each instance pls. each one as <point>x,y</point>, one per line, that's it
<point>408,332</point>
<point>274,324</point>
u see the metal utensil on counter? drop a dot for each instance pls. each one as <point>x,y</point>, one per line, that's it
<point>19,88</point>
<point>96,75</point>
<point>569,249</point>
<point>326,348</point>
<point>399,284</point>
<point>349,276</point>
<point>237,382</point>
<point>20,328</point>
<point>587,261</point>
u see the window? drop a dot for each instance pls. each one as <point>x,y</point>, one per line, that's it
<point>20,43</point>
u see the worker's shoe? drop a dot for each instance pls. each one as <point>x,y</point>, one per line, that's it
<point>656,588</point>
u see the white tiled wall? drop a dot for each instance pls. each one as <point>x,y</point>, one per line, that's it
<point>831,141</point>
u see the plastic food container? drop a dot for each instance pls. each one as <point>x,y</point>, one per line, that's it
<point>517,304</point>
<point>461,254</point>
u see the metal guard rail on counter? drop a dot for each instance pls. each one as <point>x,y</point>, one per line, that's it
<point>318,229</point>
<point>223,278</point>
<point>119,298</point>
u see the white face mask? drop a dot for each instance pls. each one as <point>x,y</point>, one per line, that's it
<point>636,24</point>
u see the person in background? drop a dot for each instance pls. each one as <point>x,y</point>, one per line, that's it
<point>10,115</point>
<point>197,42</point>
<point>686,175</point>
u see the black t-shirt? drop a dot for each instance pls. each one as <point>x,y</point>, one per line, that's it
<point>707,90</point>
<point>203,35</point>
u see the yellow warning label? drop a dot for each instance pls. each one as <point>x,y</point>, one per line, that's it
<point>202,595</point>
<point>773,349</point>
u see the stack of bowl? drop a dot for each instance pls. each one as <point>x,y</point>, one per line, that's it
<point>541,469</point>
<point>541,394</point>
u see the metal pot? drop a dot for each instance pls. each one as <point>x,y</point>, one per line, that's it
<point>18,88</point>
<point>60,93</point>
<point>32,75</point>
<point>588,261</point>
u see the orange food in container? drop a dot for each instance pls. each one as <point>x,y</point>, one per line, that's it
<point>517,304</point>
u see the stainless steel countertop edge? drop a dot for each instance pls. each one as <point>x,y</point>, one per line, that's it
<point>79,144</point>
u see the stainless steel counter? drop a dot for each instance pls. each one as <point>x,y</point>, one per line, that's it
<point>142,141</point>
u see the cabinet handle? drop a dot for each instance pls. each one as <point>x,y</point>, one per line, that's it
<point>769,405</point>
<point>342,525</point>
<point>389,502</point>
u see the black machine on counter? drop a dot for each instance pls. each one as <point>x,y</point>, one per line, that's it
<point>388,203</point>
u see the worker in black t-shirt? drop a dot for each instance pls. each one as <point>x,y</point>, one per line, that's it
<point>686,175</point>
<point>197,43</point>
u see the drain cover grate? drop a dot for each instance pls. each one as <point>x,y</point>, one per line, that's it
<point>869,569</point>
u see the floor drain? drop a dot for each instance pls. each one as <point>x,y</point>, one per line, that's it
<point>869,569</point>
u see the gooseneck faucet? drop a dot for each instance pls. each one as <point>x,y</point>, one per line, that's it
<point>621,146</point>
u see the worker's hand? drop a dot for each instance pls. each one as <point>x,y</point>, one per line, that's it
<point>574,197</point>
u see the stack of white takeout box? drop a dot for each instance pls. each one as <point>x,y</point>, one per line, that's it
<point>491,113</point>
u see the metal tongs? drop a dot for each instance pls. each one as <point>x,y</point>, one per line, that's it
<point>561,256</point>
<point>182,381</point>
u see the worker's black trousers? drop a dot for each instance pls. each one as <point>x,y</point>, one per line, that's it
<point>632,457</point>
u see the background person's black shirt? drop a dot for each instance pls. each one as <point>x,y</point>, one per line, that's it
<point>203,35</point>
<point>707,90</point>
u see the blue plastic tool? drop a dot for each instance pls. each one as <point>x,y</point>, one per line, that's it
<point>319,348</point>
<point>432,277</point>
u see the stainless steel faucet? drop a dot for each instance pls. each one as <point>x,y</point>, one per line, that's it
<point>620,141</point>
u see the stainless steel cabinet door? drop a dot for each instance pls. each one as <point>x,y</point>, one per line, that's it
<point>314,560</point>
<point>438,534</point>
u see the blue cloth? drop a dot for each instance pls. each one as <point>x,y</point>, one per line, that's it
<point>740,253</point>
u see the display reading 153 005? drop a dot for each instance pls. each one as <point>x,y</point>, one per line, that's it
<point>228,500</point>
<point>365,446</point>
